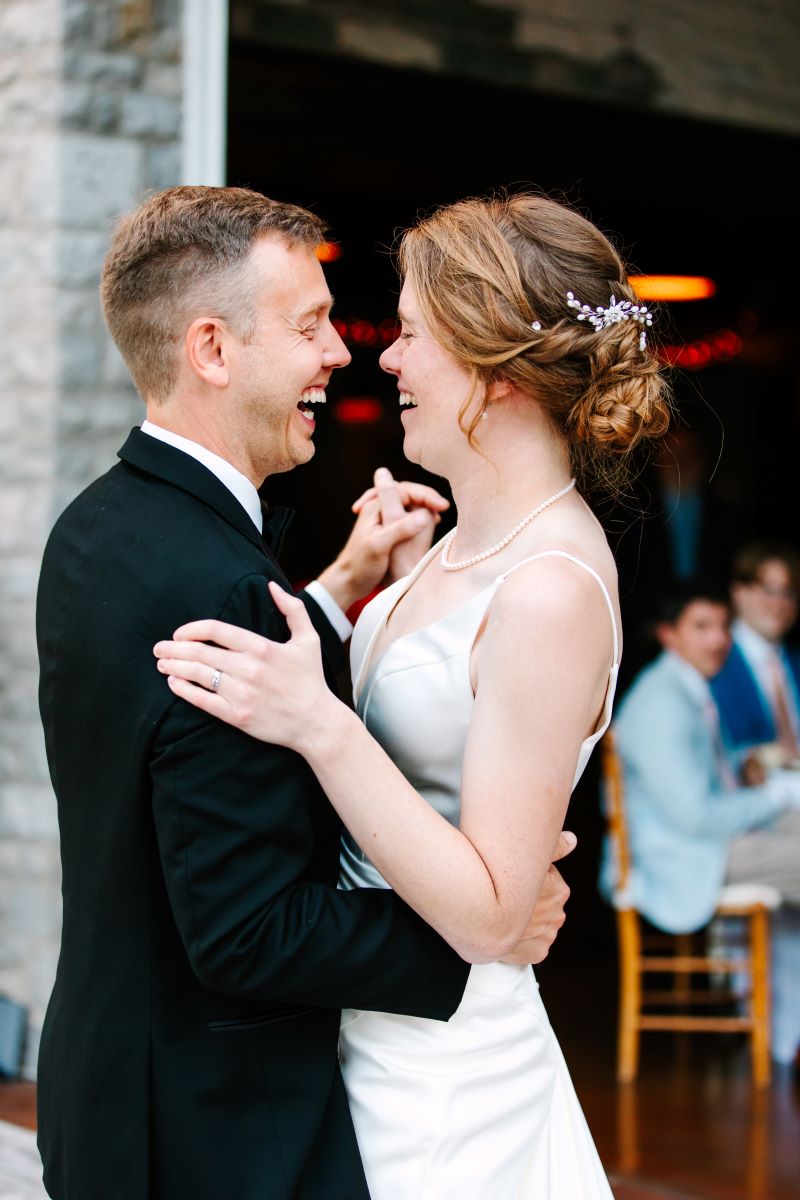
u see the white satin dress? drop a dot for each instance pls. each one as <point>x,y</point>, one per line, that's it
<point>480,1107</point>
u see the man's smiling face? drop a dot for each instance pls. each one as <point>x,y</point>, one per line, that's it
<point>281,371</point>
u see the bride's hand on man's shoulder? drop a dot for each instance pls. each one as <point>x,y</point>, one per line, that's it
<point>274,691</point>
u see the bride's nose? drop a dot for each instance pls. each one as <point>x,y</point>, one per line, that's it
<point>389,360</point>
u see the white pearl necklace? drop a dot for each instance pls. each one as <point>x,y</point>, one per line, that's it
<point>476,558</point>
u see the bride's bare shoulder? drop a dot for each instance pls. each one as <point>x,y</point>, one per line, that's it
<point>552,590</point>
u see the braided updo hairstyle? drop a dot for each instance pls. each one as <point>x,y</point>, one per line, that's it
<point>484,271</point>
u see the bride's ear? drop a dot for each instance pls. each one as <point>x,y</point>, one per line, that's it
<point>498,389</point>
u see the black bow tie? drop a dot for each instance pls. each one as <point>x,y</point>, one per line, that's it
<point>276,521</point>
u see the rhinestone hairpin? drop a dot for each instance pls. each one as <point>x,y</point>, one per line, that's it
<point>618,310</point>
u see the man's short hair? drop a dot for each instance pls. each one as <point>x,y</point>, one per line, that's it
<point>182,254</point>
<point>751,558</point>
<point>673,602</point>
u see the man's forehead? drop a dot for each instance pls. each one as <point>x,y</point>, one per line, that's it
<point>702,611</point>
<point>772,567</point>
<point>292,276</point>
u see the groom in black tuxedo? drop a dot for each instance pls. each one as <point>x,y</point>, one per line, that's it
<point>190,1046</point>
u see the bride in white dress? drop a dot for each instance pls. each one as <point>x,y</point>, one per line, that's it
<point>482,681</point>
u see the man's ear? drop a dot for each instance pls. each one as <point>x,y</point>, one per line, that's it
<point>206,349</point>
<point>665,635</point>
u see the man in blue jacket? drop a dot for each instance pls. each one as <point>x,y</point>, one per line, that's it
<point>758,689</point>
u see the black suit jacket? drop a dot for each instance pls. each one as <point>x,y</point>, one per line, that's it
<point>190,1045</point>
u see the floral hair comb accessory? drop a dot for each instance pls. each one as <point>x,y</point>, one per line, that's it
<point>618,310</point>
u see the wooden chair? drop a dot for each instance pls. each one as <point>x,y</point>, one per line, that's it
<point>750,903</point>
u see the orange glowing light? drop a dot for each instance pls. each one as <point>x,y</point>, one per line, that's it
<point>329,252</point>
<point>672,287</point>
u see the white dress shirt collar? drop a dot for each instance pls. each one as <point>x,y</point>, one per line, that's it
<point>700,691</point>
<point>754,646</point>
<point>241,487</point>
<point>765,659</point>
<point>696,684</point>
<point>236,483</point>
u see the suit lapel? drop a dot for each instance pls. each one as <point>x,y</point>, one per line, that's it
<point>165,462</point>
<point>745,714</point>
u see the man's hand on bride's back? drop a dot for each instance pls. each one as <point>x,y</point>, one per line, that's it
<point>548,916</point>
<point>394,528</point>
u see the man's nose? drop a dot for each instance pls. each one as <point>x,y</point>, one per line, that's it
<point>336,353</point>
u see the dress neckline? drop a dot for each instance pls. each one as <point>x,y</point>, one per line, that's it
<point>369,663</point>
<point>369,666</point>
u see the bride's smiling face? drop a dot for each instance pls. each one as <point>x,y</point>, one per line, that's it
<point>433,387</point>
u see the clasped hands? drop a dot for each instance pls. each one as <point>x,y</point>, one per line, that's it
<point>393,529</point>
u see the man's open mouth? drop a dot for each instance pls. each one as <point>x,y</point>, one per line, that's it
<point>310,397</point>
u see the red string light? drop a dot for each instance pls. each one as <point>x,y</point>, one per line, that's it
<point>358,410</point>
<point>721,346</point>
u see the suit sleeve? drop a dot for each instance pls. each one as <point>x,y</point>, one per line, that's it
<point>237,823</point>
<point>669,763</point>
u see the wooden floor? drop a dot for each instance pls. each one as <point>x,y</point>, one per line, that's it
<point>18,1104</point>
<point>690,1128</point>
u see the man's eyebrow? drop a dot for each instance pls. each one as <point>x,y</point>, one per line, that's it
<point>313,309</point>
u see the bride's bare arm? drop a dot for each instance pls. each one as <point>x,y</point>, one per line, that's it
<point>544,658</point>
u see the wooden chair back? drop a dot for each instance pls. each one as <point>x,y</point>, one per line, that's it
<point>615,812</point>
<point>635,962</point>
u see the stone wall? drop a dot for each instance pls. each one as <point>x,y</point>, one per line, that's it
<point>90,115</point>
<point>722,60</point>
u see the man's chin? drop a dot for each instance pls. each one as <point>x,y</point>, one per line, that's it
<point>305,453</point>
<point>299,459</point>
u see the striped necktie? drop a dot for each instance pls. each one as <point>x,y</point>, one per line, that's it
<point>780,706</point>
<point>721,760</point>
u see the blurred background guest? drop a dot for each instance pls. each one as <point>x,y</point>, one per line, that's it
<point>758,689</point>
<point>696,527</point>
<point>758,697</point>
<point>693,824</point>
<point>680,525</point>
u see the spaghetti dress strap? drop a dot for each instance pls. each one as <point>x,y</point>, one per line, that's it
<point>579,562</point>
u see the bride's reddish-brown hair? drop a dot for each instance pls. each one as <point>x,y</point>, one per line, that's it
<point>483,270</point>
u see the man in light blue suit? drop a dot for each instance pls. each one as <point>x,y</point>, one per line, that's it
<point>693,826</point>
<point>688,815</point>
